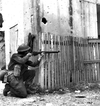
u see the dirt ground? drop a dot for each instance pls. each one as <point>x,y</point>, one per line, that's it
<point>76,98</point>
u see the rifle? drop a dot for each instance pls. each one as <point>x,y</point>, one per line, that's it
<point>45,52</point>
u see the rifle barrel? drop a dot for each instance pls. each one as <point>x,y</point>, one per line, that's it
<point>50,51</point>
<point>39,52</point>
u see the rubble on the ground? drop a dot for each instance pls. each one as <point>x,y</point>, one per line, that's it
<point>78,95</point>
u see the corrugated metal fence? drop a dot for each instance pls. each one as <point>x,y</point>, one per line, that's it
<point>76,61</point>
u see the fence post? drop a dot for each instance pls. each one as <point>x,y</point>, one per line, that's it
<point>73,60</point>
<point>41,68</point>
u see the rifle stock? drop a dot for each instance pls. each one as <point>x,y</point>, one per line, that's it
<point>45,52</point>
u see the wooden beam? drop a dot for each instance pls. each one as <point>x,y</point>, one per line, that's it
<point>94,40</point>
<point>91,61</point>
<point>91,1</point>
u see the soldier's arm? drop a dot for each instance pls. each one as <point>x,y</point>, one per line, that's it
<point>21,60</point>
<point>33,64</point>
<point>36,63</point>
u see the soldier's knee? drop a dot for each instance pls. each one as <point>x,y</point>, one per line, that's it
<point>23,95</point>
<point>19,93</point>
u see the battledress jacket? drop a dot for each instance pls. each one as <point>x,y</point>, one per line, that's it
<point>24,62</point>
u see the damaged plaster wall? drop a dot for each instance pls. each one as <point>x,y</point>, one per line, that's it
<point>69,17</point>
<point>56,12</point>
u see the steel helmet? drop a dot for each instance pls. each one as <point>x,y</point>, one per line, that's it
<point>23,48</point>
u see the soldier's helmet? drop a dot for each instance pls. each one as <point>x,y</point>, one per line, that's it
<point>23,48</point>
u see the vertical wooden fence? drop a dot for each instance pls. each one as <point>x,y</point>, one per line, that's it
<point>74,63</point>
<point>92,61</point>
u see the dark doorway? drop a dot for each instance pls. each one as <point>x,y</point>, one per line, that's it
<point>98,20</point>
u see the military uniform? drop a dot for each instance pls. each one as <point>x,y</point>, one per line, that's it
<point>18,85</point>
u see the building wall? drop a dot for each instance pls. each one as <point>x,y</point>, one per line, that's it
<point>12,14</point>
<point>16,12</point>
<point>85,18</point>
<point>57,15</point>
<point>77,19</point>
<point>69,17</point>
<point>64,17</point>
<point>27,13</point>
<point>2,43</point>
<point>0,5</point>
<point>2,51</point>
<point>99,24</point>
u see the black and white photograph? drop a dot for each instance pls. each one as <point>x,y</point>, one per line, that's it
<point>49,52</point>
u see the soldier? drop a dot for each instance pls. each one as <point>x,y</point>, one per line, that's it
<point>19,78</point>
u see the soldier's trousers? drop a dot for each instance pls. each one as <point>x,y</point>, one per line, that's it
<point>18,86</point>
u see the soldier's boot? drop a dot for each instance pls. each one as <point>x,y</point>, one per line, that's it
<point>6,89</point>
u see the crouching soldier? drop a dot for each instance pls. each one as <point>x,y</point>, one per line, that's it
<point>18,77</point>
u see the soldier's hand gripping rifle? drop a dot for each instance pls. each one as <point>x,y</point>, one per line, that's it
<point>44,52</point>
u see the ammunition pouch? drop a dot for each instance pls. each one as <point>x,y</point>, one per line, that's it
<point>2,73</point>
<point>17,70</point>
<point>5,79</point>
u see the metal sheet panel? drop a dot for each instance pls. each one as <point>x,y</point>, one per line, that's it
<point>90,20</point>
<point>93,21</point>
<point>87,18</point>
